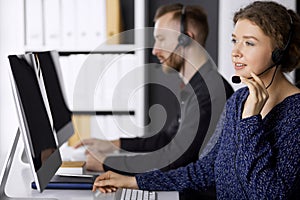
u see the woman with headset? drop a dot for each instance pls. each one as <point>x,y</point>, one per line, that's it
<point>255,151</point>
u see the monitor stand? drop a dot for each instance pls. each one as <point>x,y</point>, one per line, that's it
<point>5,172</point>
<point>24,157</point>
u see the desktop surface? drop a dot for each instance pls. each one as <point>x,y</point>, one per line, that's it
<point>20,178</point>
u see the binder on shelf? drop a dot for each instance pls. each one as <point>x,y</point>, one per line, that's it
<point>82,129</point>
<point>104,88</point>
<point>105,127</point>
<point>52,23</point>
<point>33,23</point>
<point>72,72</point>
<point>91,23</point>
<point>113,21</point>
<point>68,23</point>
<point>111,80</point>
<point>67,78</point>
<point>84,23</point>
<point>98,21</point>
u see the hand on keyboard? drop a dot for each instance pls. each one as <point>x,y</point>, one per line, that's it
<point>110,181</point>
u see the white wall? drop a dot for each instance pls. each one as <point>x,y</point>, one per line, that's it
<point>11,40</point>
<point>226,12</point>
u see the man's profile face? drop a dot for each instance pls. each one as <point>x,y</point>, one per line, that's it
<point>166,32</point>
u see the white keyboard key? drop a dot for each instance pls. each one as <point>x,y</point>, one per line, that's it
<point>123,194</point>
<point>128,194</point>
<point>140,194</point>
<point>132,194</point>
<point>146,195</point>
<point>152,196</point>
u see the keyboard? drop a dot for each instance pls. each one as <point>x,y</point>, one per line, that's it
<point>132,194</point>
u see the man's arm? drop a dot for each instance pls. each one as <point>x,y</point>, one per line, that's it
<point>152,143</point>
<point>181,150</point>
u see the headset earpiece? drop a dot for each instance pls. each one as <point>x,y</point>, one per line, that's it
<point>183,39</point>
<point>278,54</point>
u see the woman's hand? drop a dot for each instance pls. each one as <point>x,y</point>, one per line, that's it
<point>258,95</point>
<point>110,181</point>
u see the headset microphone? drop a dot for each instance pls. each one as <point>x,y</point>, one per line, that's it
<point>237,79</point>
<point>170,54</point>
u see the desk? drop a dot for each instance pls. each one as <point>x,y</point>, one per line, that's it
<point>20,178</point>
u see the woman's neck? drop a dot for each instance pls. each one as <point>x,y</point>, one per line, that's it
<point>280,89</point>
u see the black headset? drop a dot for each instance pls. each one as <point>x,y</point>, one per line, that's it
<point>278,54</point>
<point>183,39</point>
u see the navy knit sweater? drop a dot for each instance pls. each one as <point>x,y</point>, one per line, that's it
<point>253,158</point>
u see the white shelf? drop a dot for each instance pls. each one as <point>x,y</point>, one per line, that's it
<point>116,48</point>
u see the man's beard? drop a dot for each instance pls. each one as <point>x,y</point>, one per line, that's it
<point>173,64</point>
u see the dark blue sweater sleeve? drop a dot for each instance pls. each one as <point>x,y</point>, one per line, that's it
<point>197,176</point>
<point>268,168</point>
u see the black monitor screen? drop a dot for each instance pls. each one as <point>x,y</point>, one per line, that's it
<point>59,110</point>
<point>37,120</point>
<point>62,121</point>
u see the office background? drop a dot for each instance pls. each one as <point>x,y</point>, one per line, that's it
<point>12,37</point>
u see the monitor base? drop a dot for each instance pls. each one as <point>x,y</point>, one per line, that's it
<point>5,173</point>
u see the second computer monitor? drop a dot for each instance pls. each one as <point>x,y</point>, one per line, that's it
<point>50,68</point>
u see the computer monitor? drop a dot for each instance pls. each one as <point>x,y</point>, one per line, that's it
<point>51,71</point>
<point>34,119</point>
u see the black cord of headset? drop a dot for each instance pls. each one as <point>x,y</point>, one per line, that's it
<point>171,53</point>
<point>272,77</point>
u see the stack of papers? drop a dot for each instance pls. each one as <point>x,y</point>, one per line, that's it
<point>71,167</point>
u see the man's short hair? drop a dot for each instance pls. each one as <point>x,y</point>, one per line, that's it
<point>195,17</point>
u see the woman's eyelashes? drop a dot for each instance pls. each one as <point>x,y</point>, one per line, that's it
<point>233,40</point>
<point>247,43</point>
